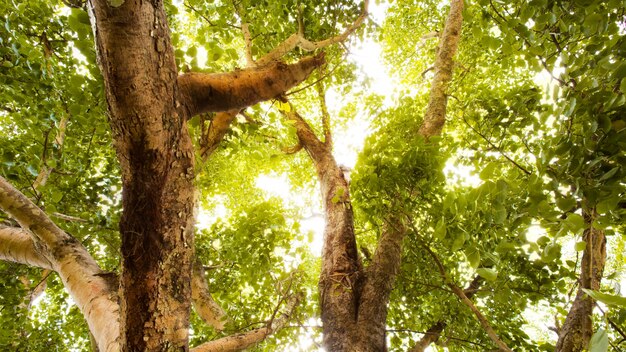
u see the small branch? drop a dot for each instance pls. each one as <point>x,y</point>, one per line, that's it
<point>461,294</point>
<point>298,40</point>
<point>238,342</point>
<point>68,217</point>
<point>292,150</point>
<point>328,140</point>
<point>210,140</point>
<point>486,139</point>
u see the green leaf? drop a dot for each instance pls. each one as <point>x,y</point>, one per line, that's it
<point>580,246</point>
<point>574,222</point>
<point>608,299</point>
<point>609,174</point>
<point>620,71</point>
<point>440,230</point>
<point>599,341</point>
<point>474,258</point>
<point>487,273</point>
<point>487,171</point>
<point>566,204</point>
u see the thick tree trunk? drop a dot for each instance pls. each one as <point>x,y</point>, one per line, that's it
<point>354,302</point>
<point>576,332</point>
<point>156,157</point>
<point>341,276</point>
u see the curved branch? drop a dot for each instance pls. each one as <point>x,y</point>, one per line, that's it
<point>241,341</point>
<point>18,246</point>
<point>201,92</point>
<point>203,302</point>
<point>216,132</point>
<point>298,40</point>
<point>79,272</point>
<point>435,115</point>
<point>463,297</point>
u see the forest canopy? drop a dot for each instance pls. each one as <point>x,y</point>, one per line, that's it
<point>308,175</point>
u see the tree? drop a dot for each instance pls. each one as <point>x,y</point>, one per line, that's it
<point>453,263</point>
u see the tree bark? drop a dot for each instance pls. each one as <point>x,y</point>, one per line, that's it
<point>40,242</point>
<point>435,116</point>
<point>156,156</point>
<point>577,330</point>
<point>341,275</point>
<point>149,105</point>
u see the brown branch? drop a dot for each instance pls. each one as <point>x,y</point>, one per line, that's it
<point>242,341</point>
<point>434,332</point>
<point>328,140</point>
<point>435,115</point>
<point>306,137</point>
<point>578,326</point>
<point>381,273</point>
<point>216,131</point>
<point>298,40</point>
<point>201,92</point>
<point>463,297</point>
<point>203,302</point>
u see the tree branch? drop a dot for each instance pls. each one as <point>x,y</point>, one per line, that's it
<point>381,275</point>
<point>216,131</point>
<point>435,115</point>
<point>298,40</point>
<point>241,341</point>
<point>201,92</point>
<point>461,294</point>
<point>79,272</point>
<point>203,302</point>
<point>19,247</point>
<point>434,332</point>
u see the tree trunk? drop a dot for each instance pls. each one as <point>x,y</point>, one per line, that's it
<point>156,156</point>
<point>576,332</point>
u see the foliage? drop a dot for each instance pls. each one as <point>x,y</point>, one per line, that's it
<point>535,117</point>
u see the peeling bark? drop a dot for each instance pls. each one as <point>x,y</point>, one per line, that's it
<point>49,245</point>
<point>203,302</point>
<point>202,92</point>
<point>19,247</point>
<point>577,330</point>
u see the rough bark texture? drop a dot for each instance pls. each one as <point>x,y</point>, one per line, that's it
<point>341,275</point>
<point>577,330</point>
<point>156,156</point>
<point>236,90</point>
<point>50,247</point>
<point>435,116</point>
